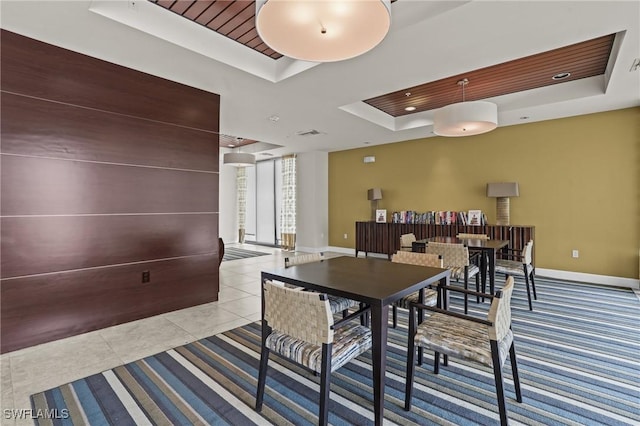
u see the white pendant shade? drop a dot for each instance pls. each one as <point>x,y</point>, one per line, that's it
<point>465,119</point>
<point>239,159</point>
<point>322,30</point>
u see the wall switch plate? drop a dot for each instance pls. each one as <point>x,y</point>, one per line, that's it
<point>575,254</point>
<point>146,276</point>
<point>345,236</point>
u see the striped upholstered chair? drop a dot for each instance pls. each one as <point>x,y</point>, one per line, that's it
<point>520,265</point>
<point>484,341</point>
<point>456,258</point>
<point>338,304</point>
<point>430,295</point>
<point>298,325</point>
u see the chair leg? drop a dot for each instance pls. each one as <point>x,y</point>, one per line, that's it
<point>411,359</point>
<point>526,280</point>
<point>436,362</point>
<point>514,372</point>
<point>325,384</point>
<point>478,288</point>
<point>345,313</point>
<point>262,375</point>
<point>394,315</point>
<point>466,287</point>
<point>533,285</point>
<point>497,373</point>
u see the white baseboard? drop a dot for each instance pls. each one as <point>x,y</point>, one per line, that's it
<point>551,273</point>
<point>589,278</point>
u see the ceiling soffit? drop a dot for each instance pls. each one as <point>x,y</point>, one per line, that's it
<point>581,60</point>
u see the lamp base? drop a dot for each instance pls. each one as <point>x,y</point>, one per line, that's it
<point>502,211</point>
<point>374,207</point>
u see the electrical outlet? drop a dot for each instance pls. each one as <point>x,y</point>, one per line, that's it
<point>146,276</point>
<point>575,254</point>
<point>345,236</point>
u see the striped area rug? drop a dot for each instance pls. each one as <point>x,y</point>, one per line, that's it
<point>233,253</point>
<point>578,356</point>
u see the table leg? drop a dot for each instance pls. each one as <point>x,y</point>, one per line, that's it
<point>379,325</point>
<point>492,271</point>
<point>483,269</point>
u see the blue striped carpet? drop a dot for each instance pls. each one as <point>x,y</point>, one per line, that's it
<point>233,253</point>
<point>578,355</point>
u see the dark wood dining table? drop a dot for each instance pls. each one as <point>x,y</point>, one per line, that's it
<point>375,282</point>
<point>488,248</point>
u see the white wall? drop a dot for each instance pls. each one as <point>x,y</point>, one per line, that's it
<point>228,218</point>
<point>312,232</point>
<point>312,197</point>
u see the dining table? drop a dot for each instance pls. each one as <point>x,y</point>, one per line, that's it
<point>487,248</point>
<point>375,282</point>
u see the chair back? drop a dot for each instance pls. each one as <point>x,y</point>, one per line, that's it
<point>303,315</point>
<point>303,258</point>
<point>453,255</point>
<point>421,259</point>
<point>463,236</point>
<point>406,240</point>
<point>500,312</point>
<point>527,253</point>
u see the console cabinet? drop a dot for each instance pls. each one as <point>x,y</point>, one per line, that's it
<point>372,237</point>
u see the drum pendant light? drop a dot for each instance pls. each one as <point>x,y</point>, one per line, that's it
<point>465,118</point>
<point>322,30</point>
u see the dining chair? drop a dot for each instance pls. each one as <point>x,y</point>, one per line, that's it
<point>520,265</point>
<point>430,294</point>
<point>462,236</point>
<point>338,304</point>
<point>456,258</point>
<point>484,341</point>
<point>299,326</point>
<point>467,236</point>
<point>406,242</point>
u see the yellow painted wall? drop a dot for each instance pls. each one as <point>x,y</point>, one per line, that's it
<point>579,185</point>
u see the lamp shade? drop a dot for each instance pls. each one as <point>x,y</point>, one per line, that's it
<point>465,119</point>
<point>322,30</point>
<point>503,189</point>
<point>374,194</point>
<point>239,159</point>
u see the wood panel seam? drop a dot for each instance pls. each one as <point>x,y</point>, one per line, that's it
<point>168,123</point>
<point>109,266</point>
<point>108,163</point>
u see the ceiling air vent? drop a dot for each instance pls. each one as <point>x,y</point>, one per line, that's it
<point>311,132</point>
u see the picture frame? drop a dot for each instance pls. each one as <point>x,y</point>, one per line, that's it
<point>381,216</point>
<point>474,217</point>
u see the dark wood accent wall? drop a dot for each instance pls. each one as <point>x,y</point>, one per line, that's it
<point>106,172</point>
<point>372,237</point>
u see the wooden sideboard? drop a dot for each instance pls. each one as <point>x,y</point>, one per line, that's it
<point>372,237</point>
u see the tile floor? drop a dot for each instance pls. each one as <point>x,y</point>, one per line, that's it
<point>45,366</point>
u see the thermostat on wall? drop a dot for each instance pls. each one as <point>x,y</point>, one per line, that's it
<point>369,159</point>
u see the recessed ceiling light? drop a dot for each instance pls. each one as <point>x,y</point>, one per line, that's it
<point>410,108</point>
<point>407,94</point>
<point>274,118</point>
<point>561,76</point>
<point>524,117</point>
<point>230,145</point>
<point>367,143</point>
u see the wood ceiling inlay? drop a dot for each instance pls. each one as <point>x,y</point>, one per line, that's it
<point>227,141</point>
<point>231,18</point>
<point>582,60</point>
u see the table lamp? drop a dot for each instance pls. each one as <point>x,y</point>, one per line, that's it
<point>374,195</point>
<point>502,191</point>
